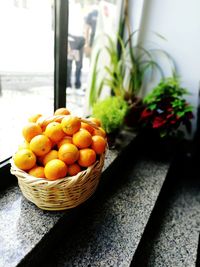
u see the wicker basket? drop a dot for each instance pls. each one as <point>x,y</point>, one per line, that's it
<point>61,194</point>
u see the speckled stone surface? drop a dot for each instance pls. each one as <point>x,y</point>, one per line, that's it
<point>23,225</point>
<point>110,233</point>
<point>176,242</point>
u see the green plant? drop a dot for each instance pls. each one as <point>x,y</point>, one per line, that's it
<point>130,66</point>
<point>111,112</point>
<point>166,109</point>
<point>95,85</point>
<point>127,71</point>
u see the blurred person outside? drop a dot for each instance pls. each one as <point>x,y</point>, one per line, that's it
<point>90,28</point>
<point>76,42</point>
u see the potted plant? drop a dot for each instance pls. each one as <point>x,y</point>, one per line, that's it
<point>111,111</point>
<point>166,113</point>
<point>129,68</point>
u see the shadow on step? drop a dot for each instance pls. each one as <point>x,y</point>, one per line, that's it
<point>181,187</point>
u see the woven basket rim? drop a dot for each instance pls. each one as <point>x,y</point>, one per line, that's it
<point>34,180</point>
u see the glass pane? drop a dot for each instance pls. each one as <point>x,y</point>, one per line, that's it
<point>88,19</point>
<point>26,66</point>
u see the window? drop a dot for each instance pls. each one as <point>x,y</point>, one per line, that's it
<point>26,67</point>
<point>87,21</point>
<point>28,83</point>
<point>21,3</point>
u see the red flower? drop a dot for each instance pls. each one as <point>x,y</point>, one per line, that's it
<point>173,121</point>
<point>169,109</point>
<point>169,116</point>
<point>146,113</point>
<point>158,122</point>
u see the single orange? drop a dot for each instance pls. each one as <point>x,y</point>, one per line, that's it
<point>98,144</point>
<point>87,127</point>
<point>54,131</point>
<point>37,171</point>
<point>68,153</point>
<point>62,111</point>
<point>87,157</point>
<point>24,159</point>
<point>52,154</point>
<point>34,117</point>
<point>82,139</point>
<point>31,130</point>
<point>40,145</point>
<point>73,169</point>
<point>65,140</point>
<point>95,120</point>
<point>55,169</point>
<point>70,124</point>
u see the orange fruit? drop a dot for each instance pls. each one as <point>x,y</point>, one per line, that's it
<point>70,125</point>
<point>31,130</point>
<point>54,131</point>
<point>25,144</point>
<point>52,154</point>
<point>82,139</point>
<point>95,120</point>
<point>55,169</point>
<point>98,144</point>
<point>68,153</point>
<point>87,157</point>
<point>87,127</point>
<point>34,117</point>
<point>62,111</point>
<point>40,145</point>
<point>73,169</point>
<point>37,171</point>
<point>24,159</point>
<point>65,140</point>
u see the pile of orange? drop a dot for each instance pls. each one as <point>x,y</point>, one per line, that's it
<point>59,146</point>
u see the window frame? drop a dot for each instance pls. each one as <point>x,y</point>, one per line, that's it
<point>61,13</point>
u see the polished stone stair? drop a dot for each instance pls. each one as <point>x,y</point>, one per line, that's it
<point>144,213</point>
<point>172,234</point>
<point>109,230</point>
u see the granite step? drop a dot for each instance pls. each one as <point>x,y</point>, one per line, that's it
<point>110,229</point>
<point>171,238</point>
<point>23,226</point>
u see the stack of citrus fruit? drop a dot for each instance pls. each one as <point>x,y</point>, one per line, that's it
<point>59,146</point>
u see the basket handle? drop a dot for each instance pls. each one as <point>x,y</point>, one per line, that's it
<point>43,121</point>
<point>90,123</point>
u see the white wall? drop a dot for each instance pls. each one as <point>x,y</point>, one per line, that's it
<point>179,22</point>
